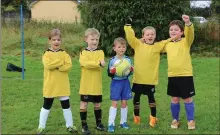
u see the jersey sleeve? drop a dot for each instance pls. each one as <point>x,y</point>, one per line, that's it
<point>51,64</point>
<point>101,56</point>
<point>189,34</point>
<point>85,62</point>
<point>67,64</point>
<point>162,45</point>
<point>130,36</point>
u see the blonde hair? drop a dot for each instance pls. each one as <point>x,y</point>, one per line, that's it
<point>119,40</point>
<point>91,31</point>
<point>54,32</point>
<point>148,28</point>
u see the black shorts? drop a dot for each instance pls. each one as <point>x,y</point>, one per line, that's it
<point>91,98</point>
<point>143,89</point>
<point>181,86</point>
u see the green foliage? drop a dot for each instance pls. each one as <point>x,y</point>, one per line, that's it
<point>36,38</point>
<point>205,12</point>
<point>207,38</point>
<point>215,6</point>
<point>14,4</point>
<point>109,17</point>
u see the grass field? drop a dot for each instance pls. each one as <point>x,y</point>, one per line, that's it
<point>22,99</point>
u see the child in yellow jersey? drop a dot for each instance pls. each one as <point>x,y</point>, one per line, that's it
<point>92,63</point>
<point>180,74</point>
<point>146,66</point>
<point>57,63</point>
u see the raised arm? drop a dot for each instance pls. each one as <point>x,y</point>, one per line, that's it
<point>51,64</point>
<point>188,30</point>
<point>130,36</point>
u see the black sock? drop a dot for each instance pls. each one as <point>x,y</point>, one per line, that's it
<point>98,116</point>
<point>136,110</point>
<point>136,103</point>
<point>153,111</point>
<point>83,116</point>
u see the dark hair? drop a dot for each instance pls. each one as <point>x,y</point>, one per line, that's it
<point>54,32</point>
<point>178,23</point>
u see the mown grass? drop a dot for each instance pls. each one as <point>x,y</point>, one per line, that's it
<point>22,99</point>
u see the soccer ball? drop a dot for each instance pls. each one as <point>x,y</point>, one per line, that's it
<point>122,67</point>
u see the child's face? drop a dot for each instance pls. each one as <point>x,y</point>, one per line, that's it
<point>119,48</point>
<point>149,36</point>
<point>55,42</point>
<point>92,41</point>
<point>175,32</point>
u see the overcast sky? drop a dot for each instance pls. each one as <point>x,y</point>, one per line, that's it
<point>202,3</point>
<point>195,3</point>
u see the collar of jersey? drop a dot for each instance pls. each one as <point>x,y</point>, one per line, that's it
<point>91,49</point>
<point>119,58</point>
<point>54,50</point>
<point>176,40</point>
<point>150,44</point>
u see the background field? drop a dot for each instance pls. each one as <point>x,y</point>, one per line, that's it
<point>22,99</point>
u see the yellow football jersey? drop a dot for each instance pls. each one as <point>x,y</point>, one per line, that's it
<point>91,72</point>
<point>146,58</point>
<point>56,67</point>
<point>178,54</point>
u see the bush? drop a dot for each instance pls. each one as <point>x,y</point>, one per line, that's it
<point>207,37</point>
<point>109,17</point>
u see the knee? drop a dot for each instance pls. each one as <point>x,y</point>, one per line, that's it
<point>136,100</point>
<point>48,103</point>
<point>115,105</point>
<point>123,104</point>
<point>65,104</point>
<point>83,105</point>
<point>152,104</point>
<point>151,99</point>
<point>97,106</point>
<point>175,100</point>
<point>188,100</point>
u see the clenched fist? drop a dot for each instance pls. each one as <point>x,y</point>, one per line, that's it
<point>112,70</point>
<point>186,19</point>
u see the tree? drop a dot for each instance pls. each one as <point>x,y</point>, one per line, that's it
<point>5,3</point>
<point>205,12</point>
<point>215,6</point>
<point>15,4</point>
<point>109,17</point>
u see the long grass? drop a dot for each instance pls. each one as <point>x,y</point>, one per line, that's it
<point>36,37</point>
